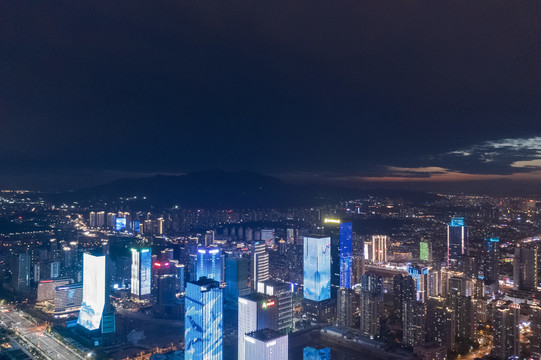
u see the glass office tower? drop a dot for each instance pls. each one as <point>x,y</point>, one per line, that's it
<point>141,262</point>
<point>94,294</point>
<point>317,268</point>
<point>346,255</point>
<point>203,321</point>
<point>457,240</point>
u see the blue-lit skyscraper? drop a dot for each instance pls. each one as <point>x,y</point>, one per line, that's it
<point>209,263</point>
<point>346,255</point>
<point>457,240</point>
<point>309,353</point>
<point>420,275</point>
<point>317,268</point>
<point>141,263</point>
<point>203,321</point>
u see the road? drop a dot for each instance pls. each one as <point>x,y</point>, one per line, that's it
<point>36,336</point>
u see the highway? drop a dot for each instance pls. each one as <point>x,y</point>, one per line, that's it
<point>36,336</point>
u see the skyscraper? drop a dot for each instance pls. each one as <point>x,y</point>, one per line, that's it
<point>525,267</point>
<point>20,277</point>
<point>256,312</point>
<point>535,324</point>
<point>405,289</point>
<point>371,304</point>
<point>506,332</point>
<point>96,312</point>
<point>266,344</point>
<point>141,276</point>
<point>260,263</point>
<point>379,249</point>
<point>317,268</point>
<point>491,263</point>
<point>346,255</point>
<point>414,320</point>
<point>284,297</point>
<point>92,219</point>
<point>100,219</point>
<point>341,244</point>
<point>457,240</point>
<point>440,323</point>
<point>111,220</point>
<point>236,278</point>
<point>420,274</point>
<point>346,302</point>
<point>203,322</point>
<point>209,263</point>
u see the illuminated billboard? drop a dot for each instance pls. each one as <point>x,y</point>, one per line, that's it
<point>423,251</point>
<point>317,268</point>
<point>93,292</point>
<point>120,224</point>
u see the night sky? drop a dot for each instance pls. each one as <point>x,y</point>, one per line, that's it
<point>409,94</point>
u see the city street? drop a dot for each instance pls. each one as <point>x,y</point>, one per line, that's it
<point>36,335</point>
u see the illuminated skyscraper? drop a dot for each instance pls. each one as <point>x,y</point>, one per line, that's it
<point>346,255</point>
<point>92,219</point>
<point>440,323</point>
<point>266,344</point>
<point>379,249</point>
<point>141,267</point>
<point>111,220</point>
<point>203,322</point>
<point>309,353</point>
<point>525,267</point>
<point>284,297</point>
<point>506,333</point>
<point>256,312</point>
<point>341,236</point>
<point>457,240</point>
<point>209,263</point>
<point>317,268</point>
<point>260,263</point>
<point>535,325</point>
<point>420,275</point>
<point>209,237</point>
<point>414,319</point>
<point>100,219</point>
<point>96,312</point>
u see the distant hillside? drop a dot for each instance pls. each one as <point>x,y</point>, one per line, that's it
<point>226,190</point>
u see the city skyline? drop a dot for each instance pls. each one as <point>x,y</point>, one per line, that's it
<point>285,180</point>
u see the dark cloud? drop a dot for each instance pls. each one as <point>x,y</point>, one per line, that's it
<point>341,87</point>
